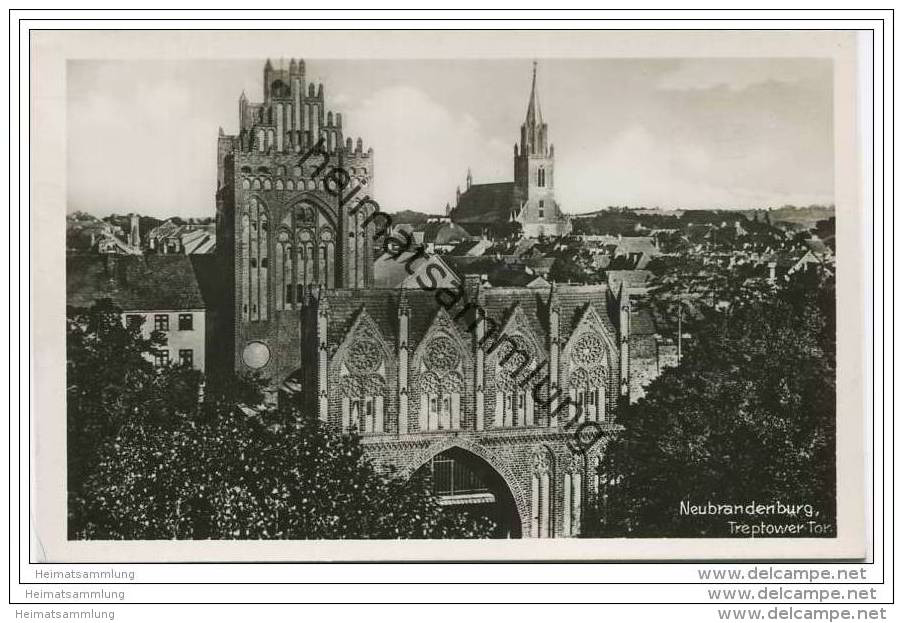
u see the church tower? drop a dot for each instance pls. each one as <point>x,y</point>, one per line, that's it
<point>534,174</point>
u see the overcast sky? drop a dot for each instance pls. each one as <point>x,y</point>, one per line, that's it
<point>694,133</point>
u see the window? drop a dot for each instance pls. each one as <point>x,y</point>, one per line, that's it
<point>591,402</point>
<point>161,322</point>
<point>134,320</point>
<point>289,292</point>
<point>445,413</point>
<point>541,177</point>
<point>366,414</point>
<point>186,357</point>
<point>542,211</point>
<point>513,409</point>
<point>453,476</point>
<point>186,322</point>
<point>161,358</point>
<point>369,415</point>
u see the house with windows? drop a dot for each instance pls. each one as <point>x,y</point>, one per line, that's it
<point>155,292</point>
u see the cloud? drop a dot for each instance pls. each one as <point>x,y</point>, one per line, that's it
<point>681,132</point>
<point>423,150</point>
<point>639,167</point>
<point>738,74</point>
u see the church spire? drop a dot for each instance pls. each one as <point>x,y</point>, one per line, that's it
<point>534,115</point>
<point>533,130</point>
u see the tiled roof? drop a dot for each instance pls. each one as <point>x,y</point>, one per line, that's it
<point>472,247</point>
<point>573,301</point>
<point>642,322</point>
<point>637,244</point>
<point>629,278</point>
<point>444,233</point>
<point>506,271</point>
<point>498,303</point>
<point>816,245</point>
<point>389,271</point>
<point>211,279</point>
<point>133,282</point>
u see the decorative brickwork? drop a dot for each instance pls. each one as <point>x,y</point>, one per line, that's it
<point>423,353</point>
<point>483,374</point>
<point>283,226</point>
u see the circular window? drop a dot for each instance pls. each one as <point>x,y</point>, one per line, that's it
<point>442,355</point>
<point>364,356</point>
<point>590,349</point>
<point>256,355</point>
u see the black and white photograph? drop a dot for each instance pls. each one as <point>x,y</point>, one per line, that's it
<point>585,298</point>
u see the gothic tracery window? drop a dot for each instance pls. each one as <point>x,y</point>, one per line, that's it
<point>573,497</point>
<point>513,399</point>
<point>255,262</point>
<point>441,385</point>
<point>589,378</point>
<point>284,274</point>
<point>363,386</point>
<point>542,493</point>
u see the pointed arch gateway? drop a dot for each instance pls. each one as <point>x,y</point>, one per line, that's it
<point>471,480</point>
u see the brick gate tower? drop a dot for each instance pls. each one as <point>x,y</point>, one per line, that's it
<point>280,233</point>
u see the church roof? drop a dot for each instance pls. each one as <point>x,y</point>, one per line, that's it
<point>486,203</point>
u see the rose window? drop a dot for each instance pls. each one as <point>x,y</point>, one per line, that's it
<point>590,349</point>
<point>364,356</point>
<point>442,355</point>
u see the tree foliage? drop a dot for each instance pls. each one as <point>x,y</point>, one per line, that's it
<point>148,460</point>
<point>272,475</point>
<point>111,381</point>
<point>747,416</point>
